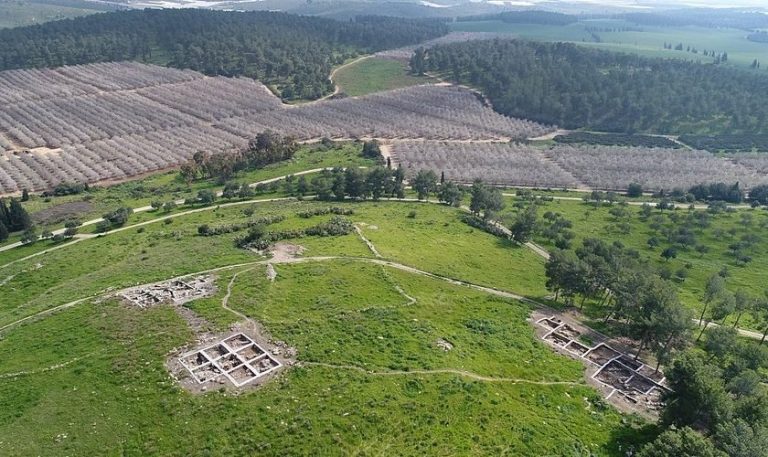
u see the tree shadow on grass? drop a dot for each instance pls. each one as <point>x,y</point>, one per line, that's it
<point>507,243</point>
<point>631,435</point>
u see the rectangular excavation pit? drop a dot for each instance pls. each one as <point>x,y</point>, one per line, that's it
<point>601,354</point>
<point>174,291</point>
<point>651,373</point>
<point>195,360</point>
<point>653,399</point>
<point>550,323</point>
<point>222,364</point>
<point>229,362</point>
<point>641,384</point>
<point>238,341</point>
<point>630,363</point>
<point>242,375</point>
<point>577,347</point>
<point>558,339</point>
<point>568,332</point>
<point>615,375</point>
<point>178,284</point>
<point>214,352</point>
<point>206,373</point>
<point>264,365</point>
<point>629,396</point>
<point>250,352</point>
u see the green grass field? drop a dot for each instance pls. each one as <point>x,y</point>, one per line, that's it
<point>114,396</point>
<point>17,13</point>
<point>90,379</point>
<point>375,75</point>
<point>649,42</point>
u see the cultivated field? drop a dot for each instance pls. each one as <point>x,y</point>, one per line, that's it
<point>373,74</point>
<point>430,112</point>
<point>496,163</point>
<point>607,167</point>
<point>117,120</point>
<point>585,166</point>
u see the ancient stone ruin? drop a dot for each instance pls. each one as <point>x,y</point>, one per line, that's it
<point>620,375</point>
<point>175,291</point>
<point>236,359</point>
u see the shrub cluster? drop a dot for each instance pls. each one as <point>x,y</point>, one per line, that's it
<point>115,218</point>
<point>206,230</point>
<point>486,226</point>
<point>323,211</point>
<point>257,238</point>
<point>67,188</point>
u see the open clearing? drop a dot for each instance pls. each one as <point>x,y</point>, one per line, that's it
<point>373,74</point>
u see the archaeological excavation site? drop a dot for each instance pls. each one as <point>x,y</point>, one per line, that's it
<point>176,291</point>
<point>624,380</point>
<point>237,360</point>
<point>240,358</point>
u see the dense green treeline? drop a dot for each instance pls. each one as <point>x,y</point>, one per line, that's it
<point>573,87</point>
<point>293,52</point>
<point>730,143</point>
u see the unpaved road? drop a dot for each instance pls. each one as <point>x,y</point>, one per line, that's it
<point>336,87</point>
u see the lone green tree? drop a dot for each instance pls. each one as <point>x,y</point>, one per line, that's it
<point>524,226</point>
<point>424,184</point>
<point>485,201</point>
<point>450,194</point>
<point>18,217</point>
<point>715,286</point>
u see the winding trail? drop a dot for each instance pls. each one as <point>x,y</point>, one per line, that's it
<point>90,297</point>
<point>42,370</point>
<point>336,87</point>
<point>368,243</point>
<point>47,312</point>
<point>225,300</point>
<point>86,236</point>
<point>143,209</point>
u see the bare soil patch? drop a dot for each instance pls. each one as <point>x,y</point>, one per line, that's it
<point>283,252</point>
